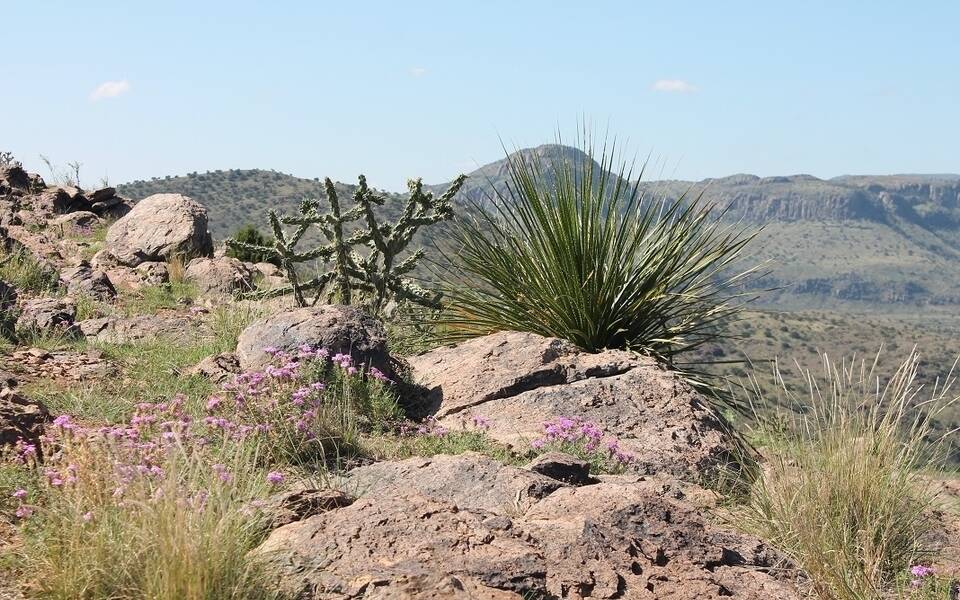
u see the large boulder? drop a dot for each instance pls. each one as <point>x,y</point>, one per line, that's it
<point>518,381</point>
<point>221,277</point>
<point>160,227</point>
<point>615,539</point>
<point>339,329</point>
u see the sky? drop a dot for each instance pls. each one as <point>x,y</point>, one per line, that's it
<point>133,90</point>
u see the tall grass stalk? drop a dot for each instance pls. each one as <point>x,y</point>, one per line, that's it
<point>573,249</point>
<point>845,496</point>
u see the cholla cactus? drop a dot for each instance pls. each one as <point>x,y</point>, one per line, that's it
<point>379,275</point>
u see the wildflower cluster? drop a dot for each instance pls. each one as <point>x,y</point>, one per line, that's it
<point>280,415</point>
<point>584,439</point>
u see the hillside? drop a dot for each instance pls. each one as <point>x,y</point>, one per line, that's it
<point>852,241</point>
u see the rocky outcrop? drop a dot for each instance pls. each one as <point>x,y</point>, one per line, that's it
<point>298,504</point>
<point>221,277</point>
<point>339,329</point>
<point>83,279</point>
<point>614,539</point>
<point>160,228</point>
<point>468,479</point>
<point>518,381</point>
<point>47,315</point>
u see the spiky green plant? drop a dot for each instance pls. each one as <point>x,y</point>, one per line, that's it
<point>573,249</point>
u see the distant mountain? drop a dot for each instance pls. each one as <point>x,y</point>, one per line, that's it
<point>848,241</point>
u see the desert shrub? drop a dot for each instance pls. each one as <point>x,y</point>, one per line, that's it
<point>572,249</point>
<point>844,496</point>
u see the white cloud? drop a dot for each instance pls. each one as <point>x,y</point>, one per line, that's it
<point>418,71</point>
<point>110,89</point>
<point>677,86</point>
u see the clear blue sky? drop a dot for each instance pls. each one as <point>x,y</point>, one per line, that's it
<point>397,89</point>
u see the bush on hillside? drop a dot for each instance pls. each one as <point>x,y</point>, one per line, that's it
<point>249,237</point>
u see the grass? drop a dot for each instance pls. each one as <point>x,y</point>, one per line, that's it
<point>152,299</point>
<point>21,269</point>
<point>152,370</point>
<point>182,535</point>
<point>844,496</point>
<point>569,251</point>
<point>229,321</point>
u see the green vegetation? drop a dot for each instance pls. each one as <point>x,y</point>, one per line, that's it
<point>379,275</point>
<point>26,273</point>
<point>571,252</point>
<point>248,237</point>
<point>845,495</point>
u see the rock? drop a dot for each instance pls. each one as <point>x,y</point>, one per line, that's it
<point>113,208</point>
<point>339,329</point>
<point>518,381</point>
<point>143,275</point>
<point>268,275</point>
<point>7,379</point>
<point>116,330</point>
<point>466,480</point>
<point>217,368</point>
<point>83,279</point>
<point>55,315</point>
<point>76,221</point>
<point>386,541</point>
<point>103,194</point>
<point>159,228</point>
<point>296,505</point>
<point>62,365</point>
<point>14,179</point>
<point>220,277</point>
<point>621,541</point>
<point>562,467</point>
<point>607,540</point>
<point>58,201</point>
<point>21,419</point>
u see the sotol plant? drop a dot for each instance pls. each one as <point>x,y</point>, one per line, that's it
<point>572,249</point>
<point>379,274</point>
